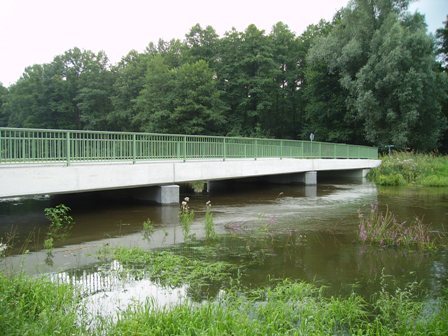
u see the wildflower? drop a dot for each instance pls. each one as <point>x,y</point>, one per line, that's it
<point>187,199</point>
<point>3,248</point>
<point>208,203</point>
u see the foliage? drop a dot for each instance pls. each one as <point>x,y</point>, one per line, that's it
<point>289,308</point>
<point>384,61</point>
<point>148,229</point>
<point>37,307</point>
<point>72,92</point>
<point>384,229</point>
<point>186,217</point>
<point>60,224</point>
<point>403,168</point>
<point>210,233</point>
<point>197,186</point>
<point>4,116</point>
<point>442,43</point>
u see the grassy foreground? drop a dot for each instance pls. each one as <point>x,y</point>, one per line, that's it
<point>38,307</point>
<point>403,168</point>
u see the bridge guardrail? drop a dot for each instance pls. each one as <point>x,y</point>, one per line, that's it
<point>26,145</point>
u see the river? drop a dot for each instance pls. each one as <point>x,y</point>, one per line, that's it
<point>296,232</point>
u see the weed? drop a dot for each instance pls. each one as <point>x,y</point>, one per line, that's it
<point>198,186</point>
<point>210,232</point>
<point>60,224</point>
<point>186,217</point>
<point>403,168</point>
<point>384,229</point>
<point>37,307</point>
<point>148,229</point>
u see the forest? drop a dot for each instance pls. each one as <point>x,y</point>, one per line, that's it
<point>373,76</point>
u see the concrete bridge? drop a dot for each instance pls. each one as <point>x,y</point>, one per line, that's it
<point>149,166</point>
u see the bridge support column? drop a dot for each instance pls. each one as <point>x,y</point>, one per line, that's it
<point>168,194</point>
<point>310,178</point>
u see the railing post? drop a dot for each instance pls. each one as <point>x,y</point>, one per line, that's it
<point>281,149</point>
<point>256,149</point>
<point>1,151</point>
<point>67,140</point>
<point>185,148</point>
<point>224,149</point>
<point>134,148</point>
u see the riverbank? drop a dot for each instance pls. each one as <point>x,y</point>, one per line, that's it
<point>35,306</point>
<point>403,168</point>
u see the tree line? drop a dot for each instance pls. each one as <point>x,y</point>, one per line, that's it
<point>373,75</point>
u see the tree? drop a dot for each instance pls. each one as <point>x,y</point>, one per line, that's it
<point>72,92</point>
<point>287,106</point>
<point>129,81</point>
<point>385,63</point>
<point>325,112</point>
<point>202,44</point>
<point>4,116</point>
<point>442,44</point>
<point>180,100</point>
<point>246,73</point>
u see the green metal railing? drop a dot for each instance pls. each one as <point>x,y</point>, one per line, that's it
<point>24,145</point>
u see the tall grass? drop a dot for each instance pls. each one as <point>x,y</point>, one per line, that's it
<point>186,217</point>
<point>386,230</point>
<point>289,308</point>
<point>37,307</point>
<point>404,168</point>
<point>210,232</point>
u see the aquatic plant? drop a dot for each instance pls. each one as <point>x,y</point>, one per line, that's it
<point>60,222</point>
<point>386,230</point>
<point>171,269</point>
<point>148,229</point>
<point>210,232</point>
<point>186,217</point>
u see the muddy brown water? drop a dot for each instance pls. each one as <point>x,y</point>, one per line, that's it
<point>275,232</point>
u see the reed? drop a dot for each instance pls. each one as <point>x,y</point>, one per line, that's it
<point>383,228</point>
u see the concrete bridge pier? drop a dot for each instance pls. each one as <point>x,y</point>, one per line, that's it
<point>165,194</point>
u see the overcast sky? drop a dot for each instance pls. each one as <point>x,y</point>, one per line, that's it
<point>35,31</point>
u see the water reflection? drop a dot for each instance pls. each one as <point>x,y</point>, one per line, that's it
<point>109,290</point>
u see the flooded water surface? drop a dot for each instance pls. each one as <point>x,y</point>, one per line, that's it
<point>270,232</point>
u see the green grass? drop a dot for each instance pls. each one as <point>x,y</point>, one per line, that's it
<point>402,168</point>
<point>290,308</point>
<point>37,307</point>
